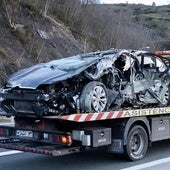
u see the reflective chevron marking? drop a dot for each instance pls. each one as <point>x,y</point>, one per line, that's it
<point>85,117</point>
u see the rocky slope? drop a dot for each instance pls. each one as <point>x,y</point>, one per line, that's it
<point>33,39</point>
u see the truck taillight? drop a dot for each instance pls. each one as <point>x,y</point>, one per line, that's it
<point>64,139</point>
<point>3,132</point>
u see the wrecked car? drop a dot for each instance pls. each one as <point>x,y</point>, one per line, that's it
<point>92,82</point>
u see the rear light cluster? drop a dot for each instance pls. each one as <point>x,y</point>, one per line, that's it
<point>66,139</point>
<point>63,139</point>
<point>3,132</point>
<point>33,135</point>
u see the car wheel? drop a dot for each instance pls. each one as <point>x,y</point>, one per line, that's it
<point>166,96</point>
<point>93,97</point>
<point>137,143</point>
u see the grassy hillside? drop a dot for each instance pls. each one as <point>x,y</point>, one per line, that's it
<point>155,19</point>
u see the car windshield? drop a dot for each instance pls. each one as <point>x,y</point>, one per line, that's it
<point>71,63</point>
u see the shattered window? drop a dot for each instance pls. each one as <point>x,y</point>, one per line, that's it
<point>155,63</point>
<point>149,62</point>
<point>160,65</point>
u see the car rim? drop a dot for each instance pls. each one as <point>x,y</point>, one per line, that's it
<point>99,99</point>
<point>166,96</point>
<point>136,144</point>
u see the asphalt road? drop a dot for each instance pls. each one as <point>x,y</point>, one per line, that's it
<point>158,157</point>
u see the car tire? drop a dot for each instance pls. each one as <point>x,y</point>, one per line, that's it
<point>137,143</point>
<point>167,96</point>
<point>93,97</point>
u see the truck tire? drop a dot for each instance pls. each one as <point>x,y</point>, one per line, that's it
<point>137,143</point>
<point>93,97</point>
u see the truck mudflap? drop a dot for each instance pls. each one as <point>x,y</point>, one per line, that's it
<point>40,148</point>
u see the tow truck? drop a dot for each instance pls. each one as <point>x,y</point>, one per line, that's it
<point>163,53</point>
<point>126,131</point>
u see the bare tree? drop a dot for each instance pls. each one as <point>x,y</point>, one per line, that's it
<point>46,8</point>
<point>11,8</point>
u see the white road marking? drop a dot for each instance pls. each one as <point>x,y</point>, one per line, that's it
<point>12,152</point>
<point>149,164</point>
<point>6,124</point>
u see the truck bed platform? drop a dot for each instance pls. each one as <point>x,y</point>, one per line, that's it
<point>35,147</point>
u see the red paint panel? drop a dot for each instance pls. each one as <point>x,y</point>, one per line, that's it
<point>110,115</point>
<point>77,117</point>
<point>99,116</point>
<point>120,114</point>
<point>88,117</point>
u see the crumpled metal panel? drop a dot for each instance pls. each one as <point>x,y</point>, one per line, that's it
<point>47,73</point>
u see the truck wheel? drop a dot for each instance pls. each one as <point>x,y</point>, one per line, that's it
<point>93,97</point>
<point>137,143</point>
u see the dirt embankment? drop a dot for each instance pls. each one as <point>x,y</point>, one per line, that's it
<point>33,39</point>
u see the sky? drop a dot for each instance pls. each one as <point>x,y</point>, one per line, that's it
<point>146,2</point>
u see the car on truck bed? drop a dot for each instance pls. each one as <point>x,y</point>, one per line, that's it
<point>53,104</point>
<point>88,83</point>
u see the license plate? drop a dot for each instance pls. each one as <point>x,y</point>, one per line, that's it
<point>24,133</point>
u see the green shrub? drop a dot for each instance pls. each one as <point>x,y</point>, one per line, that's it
<point>137,11</point>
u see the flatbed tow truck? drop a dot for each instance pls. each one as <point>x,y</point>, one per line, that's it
<point>127,132</point>
<point>163,53</point>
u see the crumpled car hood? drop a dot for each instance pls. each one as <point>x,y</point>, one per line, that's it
<point>47,73</point>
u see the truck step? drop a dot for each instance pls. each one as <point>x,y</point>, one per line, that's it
<point>34,147</point>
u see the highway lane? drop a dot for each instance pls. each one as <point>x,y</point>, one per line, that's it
<point>87,160</point>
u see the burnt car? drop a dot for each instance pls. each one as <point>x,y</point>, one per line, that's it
<point>92,82</point>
